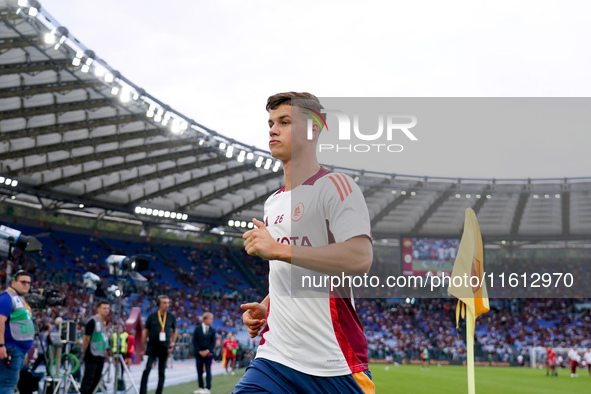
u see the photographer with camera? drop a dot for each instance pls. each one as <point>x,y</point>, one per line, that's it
<point>95,347</point>
<point>17,331</point>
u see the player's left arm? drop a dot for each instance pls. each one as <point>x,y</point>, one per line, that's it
<point>351,257</point>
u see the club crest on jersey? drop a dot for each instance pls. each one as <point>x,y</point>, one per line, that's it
<point>298,212</point>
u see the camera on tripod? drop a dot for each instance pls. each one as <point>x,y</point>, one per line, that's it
<point>41,298</point>
<point>68,332</point>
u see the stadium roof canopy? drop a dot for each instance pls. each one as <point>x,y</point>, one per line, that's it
<point>77,135</point>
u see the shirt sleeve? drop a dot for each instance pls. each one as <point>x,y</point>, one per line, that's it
<point>149,320</point>
<point>345,208</point>
<point>89,327</point>
<point>5,305</point>
<point>173,323</point>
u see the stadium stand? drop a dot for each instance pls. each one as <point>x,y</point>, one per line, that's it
<point>86,170</point>
<point>194,279</point>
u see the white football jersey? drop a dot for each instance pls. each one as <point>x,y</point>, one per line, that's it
<point>318,335</point>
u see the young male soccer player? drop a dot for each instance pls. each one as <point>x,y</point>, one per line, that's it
<point>317,223</point>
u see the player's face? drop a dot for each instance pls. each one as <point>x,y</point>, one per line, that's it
<point>287,132</point>
<point>22,284</point>
<point>280,132</point>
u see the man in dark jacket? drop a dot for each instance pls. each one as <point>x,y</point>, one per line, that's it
<point>204,342</point>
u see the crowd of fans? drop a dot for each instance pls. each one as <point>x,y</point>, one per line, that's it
<point>393,327</point>
<point>510,329</point>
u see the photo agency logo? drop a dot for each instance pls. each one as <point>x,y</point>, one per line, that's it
<point>357,135</point>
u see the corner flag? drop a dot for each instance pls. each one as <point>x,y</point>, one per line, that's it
<point>471,293</point>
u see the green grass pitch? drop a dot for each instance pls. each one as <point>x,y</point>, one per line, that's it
<point>445,379</point>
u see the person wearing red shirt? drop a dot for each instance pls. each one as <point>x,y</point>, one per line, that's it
<point>230,347</point>
<point>130,350</point>
<point>551,362</point>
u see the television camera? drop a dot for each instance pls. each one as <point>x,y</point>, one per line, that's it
<point>42,298</point>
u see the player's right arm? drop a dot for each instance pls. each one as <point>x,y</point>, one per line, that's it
<point>353,256</point>
<point>255,316</point>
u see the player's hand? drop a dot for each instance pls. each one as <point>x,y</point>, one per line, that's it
<point>142,354</point>
<point>259,242</point>
<point>254,318</point>
<point>3,353</point>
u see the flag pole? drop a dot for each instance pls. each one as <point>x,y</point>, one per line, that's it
<point>470,323</point>
<point>472,300</point>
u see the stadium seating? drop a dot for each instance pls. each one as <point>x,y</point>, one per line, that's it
<point>203,277</point>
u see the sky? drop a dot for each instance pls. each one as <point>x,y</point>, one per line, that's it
<point>218,61</point>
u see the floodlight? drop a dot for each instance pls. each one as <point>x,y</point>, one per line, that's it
<point>60,33</point>
<point>11,238</point>
<point>176,126</point>
<point>49,38</point>
<point>114,291</point>
<point>35,7</point>
<point>123,265</point>
<point>91,281</point>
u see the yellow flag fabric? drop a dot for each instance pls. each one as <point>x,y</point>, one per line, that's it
<point>469,286</point>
